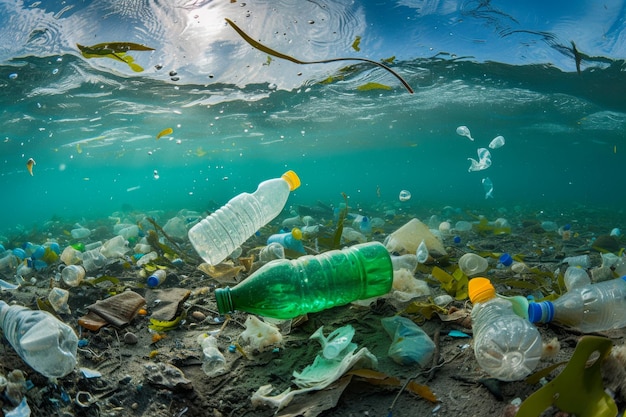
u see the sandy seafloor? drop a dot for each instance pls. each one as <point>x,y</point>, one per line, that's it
<point>126,388</point>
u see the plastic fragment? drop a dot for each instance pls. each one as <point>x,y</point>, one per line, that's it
<point>578,389</point>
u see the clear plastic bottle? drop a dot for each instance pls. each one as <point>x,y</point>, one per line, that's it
<point>46,344</point>
<point>506,346</point>
<point>290,240</point>
<point>284,288</point>
<point>216,236</point>
<point>73,275</point>
<point>213,361</point>
<point>472,264</point>
<point>587,308</point>
<point>575,277</point>
<point>272,251</point>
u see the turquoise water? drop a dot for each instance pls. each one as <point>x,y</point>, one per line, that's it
<point>239,118</point>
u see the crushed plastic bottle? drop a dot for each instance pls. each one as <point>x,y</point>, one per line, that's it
<point>575,276</point>
<point>507,346</point>
<point>586,308</point>
<point>582,261</point>
<point>73,275</point>
<point>472,264</point>
<point>272,251</point>
<point>213,361</point>
<point>284,288</point>
<point>216,236</point>
<point>46,344</point>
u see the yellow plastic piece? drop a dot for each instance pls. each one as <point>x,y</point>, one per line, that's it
<point>481,290</point>
<point>292,179</point>
<point>578,389</point>
<point>296,233</point>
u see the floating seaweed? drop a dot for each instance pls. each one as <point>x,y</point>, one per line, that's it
<point>269,51</point>
<point>115,50</point>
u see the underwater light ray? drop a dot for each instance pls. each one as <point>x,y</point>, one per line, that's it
<point>272,52</point>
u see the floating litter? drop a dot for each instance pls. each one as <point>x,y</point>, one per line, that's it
<point>404,195</point>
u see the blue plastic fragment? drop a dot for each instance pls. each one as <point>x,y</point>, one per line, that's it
<point>7,285</point>
<point>83,342</point>
<point>457,333</point>
<point>65,396</point>
<point>22,410</point>
<point>90,373</point>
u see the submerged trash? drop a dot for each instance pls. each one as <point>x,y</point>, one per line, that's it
<point>410,344</point>
<point>507,346</point>
<point>472,264</point>
<point>260,335</point>
<point>464,131</point>
<point>46,344</point>
<point>579,388</point>
<point>118,310</point>
<point>289,240</point>
<point>484,160</point>
<point>284,288</point>
<point>497,142</point>
<point>587,308</point>
<point>214,241</point>
<point>488,187</point>
<point>408,238</point>
<point>29,166</point>
<point>404,195</point>
<point>213,361</point>
<point>336,342</point>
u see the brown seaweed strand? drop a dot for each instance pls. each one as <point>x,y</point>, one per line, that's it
<point>272,52</point>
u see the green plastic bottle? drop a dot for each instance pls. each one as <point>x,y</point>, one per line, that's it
<point>284,289</point>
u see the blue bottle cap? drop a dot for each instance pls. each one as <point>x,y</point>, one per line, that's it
<point>567,226</point>
<point>542,312</point>
<point>505,259</point>
<point>20,253</point>
<point>54,247</point>
<point>152,281</point>
<point>457,239</point>
<point>38,252</point>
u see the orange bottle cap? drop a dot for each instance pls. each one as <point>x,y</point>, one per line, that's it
<point>292,179</point>
<point>296,233</point>
<point>480,290</point>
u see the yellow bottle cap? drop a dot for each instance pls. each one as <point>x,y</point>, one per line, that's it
<point>480,290</point>
<point>292,179</point>
<point>296,233</point>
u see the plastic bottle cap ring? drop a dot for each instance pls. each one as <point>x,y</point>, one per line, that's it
<point>292,179</point>
<point>480,290</point>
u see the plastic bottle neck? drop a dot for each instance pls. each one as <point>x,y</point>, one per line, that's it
<point>224,300</point>
<point>541,312</point>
